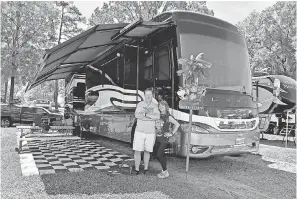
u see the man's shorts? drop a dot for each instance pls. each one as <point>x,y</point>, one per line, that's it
<point>143,141</point>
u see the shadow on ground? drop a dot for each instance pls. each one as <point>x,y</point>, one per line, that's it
<point>279,143</point>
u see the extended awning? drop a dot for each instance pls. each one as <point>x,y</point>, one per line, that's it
<point>75,53</point>
<point>89,47</point>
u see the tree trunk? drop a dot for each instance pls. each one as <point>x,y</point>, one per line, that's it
<point>64,4</point>
<point>5,91</point>
<point>139,10</point>
<point>56,94</point>
<point>14,54</point>
<point>253,69</point>
<point>11,89</point>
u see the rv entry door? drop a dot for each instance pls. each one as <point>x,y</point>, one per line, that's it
<point>163,74</point>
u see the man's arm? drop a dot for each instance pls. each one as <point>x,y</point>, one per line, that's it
<point>139,113</point>
<point>155,115</point>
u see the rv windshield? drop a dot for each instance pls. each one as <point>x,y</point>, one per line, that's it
<point>226,51</point>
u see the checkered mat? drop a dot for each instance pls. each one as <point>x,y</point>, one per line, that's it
<point>37,158</point>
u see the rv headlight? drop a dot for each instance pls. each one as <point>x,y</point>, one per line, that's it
<point>195,149</point>
<point>198,149</point>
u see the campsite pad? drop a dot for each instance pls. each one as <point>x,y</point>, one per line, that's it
<point>37,158</point>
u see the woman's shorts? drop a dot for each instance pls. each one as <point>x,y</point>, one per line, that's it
<point>143,141</point>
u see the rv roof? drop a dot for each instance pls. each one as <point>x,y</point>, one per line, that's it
<point>197,13</point>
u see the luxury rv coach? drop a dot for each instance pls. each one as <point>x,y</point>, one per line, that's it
<point>121,60</point>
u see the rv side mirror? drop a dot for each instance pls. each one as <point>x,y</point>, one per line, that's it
<point>276,89</point>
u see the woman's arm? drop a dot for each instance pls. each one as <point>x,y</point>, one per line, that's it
<point>175,123</point>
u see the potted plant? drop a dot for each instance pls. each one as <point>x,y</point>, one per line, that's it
<point>191,94</point>
<point>193,69</point>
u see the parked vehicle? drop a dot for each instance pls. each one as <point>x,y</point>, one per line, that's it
<point>274,103</point>
<point>16,114</point>
<point>129,58</point>
<point>43,103</point>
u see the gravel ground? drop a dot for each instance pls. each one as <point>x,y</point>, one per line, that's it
<point>247,176</point>
<point>281,158</point>
<point>277,140</point>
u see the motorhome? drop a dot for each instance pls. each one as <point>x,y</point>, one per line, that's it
<point>121,60</point>
<point>272,107</point>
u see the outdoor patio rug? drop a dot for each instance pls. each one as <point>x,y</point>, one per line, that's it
<point>37,158</point>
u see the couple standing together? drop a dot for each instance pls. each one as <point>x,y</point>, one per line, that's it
<point>153,127</point>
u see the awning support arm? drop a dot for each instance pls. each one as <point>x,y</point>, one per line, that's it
<point>137,69</point>
<point>126,29</point>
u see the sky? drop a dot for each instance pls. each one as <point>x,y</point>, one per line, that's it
<point>231,11</point>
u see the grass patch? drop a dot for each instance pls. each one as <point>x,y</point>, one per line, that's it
<point>13,184</point>
<point>94,182</point>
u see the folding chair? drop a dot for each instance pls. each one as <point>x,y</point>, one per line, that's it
<point>65,133</point>
<point>31,131</point>
<point>291,129</point>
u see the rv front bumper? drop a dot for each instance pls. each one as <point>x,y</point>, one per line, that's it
<point>227,143</point>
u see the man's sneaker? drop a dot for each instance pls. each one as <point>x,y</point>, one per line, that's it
<point>163,174</point>
<point>136,172</point>
<point>145,172</point>
<point>153,158</point>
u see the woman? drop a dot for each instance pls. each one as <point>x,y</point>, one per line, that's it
<point>163,133</point>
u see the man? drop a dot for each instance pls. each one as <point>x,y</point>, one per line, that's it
<point>144,138</point>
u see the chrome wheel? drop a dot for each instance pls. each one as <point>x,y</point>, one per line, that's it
<point>5,122</point>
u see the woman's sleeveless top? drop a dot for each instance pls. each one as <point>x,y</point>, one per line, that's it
<point>162,127</point>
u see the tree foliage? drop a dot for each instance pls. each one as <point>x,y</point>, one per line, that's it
<point>27,30</point>
<point>69,19</point>
<point>128,11</point>
<point>271,38</point>
<point>31,23</point>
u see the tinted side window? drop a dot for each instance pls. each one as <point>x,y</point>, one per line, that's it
<point>28,110</point>
<point>79,90</point>
<point>148,68</point>
<point>39,111</point>
<point>162,64</point>
<point>130,73</point>
<point>93,78</point>
<point>130,69</point>
<point>110,73</point>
